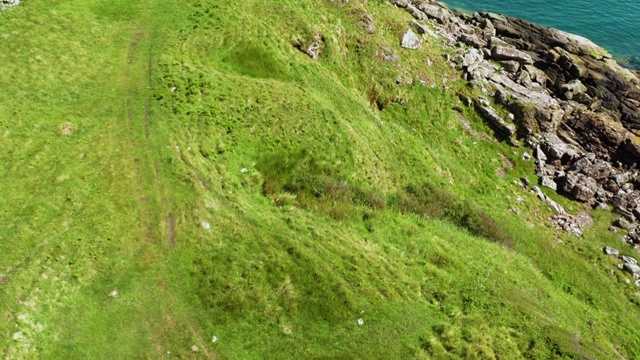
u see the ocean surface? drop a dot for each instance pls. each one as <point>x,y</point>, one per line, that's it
<point>614,25</point>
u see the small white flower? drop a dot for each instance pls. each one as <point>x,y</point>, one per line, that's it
<point>206,225</point>
<point>360,322</point>
<point>114,293</point>
<point>195,348</point>
<point>215,338</point>
<point>244,170</point>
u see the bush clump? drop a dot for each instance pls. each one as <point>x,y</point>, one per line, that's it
<point>431,202</point>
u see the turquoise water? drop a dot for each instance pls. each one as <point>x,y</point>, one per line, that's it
<point>614,25</point>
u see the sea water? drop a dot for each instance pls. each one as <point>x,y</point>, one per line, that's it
<point>614,25</point>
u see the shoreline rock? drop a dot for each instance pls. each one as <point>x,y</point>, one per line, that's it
<point>571,102</point>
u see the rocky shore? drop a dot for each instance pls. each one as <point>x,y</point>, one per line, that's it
<point>567,98</point>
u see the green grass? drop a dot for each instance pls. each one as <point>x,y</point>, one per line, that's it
<point>328,199</point>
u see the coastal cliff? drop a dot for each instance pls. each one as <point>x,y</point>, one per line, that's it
<point>566,96</point>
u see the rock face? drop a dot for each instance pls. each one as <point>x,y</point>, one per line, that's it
<point>570,101</point>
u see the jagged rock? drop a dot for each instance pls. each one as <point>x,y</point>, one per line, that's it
<point>473,41</point>
<point>556,148</point>
<point>537,75</point>
<point>611,251</point>
<point>600,170</point>
<point>507,53</point>
<point>580,186</point>
<point>585,189</point>
<point>416,13</point>
<point>629,260</point>
<point>547,181</point>
<point>623,223</point>
<point>436,12</point>
<point>524,79</point>
<point>632,268</point>
<point>471,59</point>
<point>511,66</point>
<point>582,164</point>
<point>539,154</point>
<point>411,41</point>
<point>423,29</point>
<point>538,193</point>
<point>497,122</point>
<point>573,88</point>
<point>621,179</point>
<point>496,41</point>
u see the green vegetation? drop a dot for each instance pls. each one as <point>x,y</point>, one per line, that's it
<point>174,171</point>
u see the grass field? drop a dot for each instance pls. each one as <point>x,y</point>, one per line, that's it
<point>178,172</point>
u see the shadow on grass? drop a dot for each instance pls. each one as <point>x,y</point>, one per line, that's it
<point>299,179</point>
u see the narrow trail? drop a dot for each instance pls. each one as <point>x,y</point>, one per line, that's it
<point>157,219</point>
<point>154,205</point>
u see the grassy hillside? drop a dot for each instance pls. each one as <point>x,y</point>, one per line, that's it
<point>178,171</point>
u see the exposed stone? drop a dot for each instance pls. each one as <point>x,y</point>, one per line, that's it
<point>511,66</point>
<point>497,122</point>
<point>584,220</point>
<point>472,41</point>
<point>629,260</point>
<point>423,29</point>
<point>539,154</point>
<point>556,148</point>
<point>313,50</point>
<point>623,223</point>
<point>585,189</point>
<point>632,268</point>
<point>508,53</point>
<point>573,88</point>
<point>547,181</point>
<point>411,41</point>
<point>611,251</point>
<point>436,12</point>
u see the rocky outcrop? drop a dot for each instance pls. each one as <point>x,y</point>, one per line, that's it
<point>568,99</point>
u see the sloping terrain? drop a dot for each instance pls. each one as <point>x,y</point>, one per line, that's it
<point>182,179</point>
